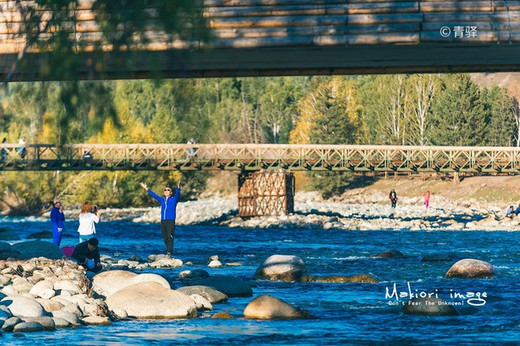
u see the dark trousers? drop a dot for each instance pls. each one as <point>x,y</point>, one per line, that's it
<point>168,231</point>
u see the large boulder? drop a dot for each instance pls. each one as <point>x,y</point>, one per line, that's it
<point>25,327</point>
<point>471,268</point>
<point>429,306</point>
<point>209,293</point>
<point>5,247</point>
<point>43,289</point>
<point>8,234</point>
<point>46,321</point>
<point>150,278</point>
<point>267,308</point>
<point>21,306</point>
<point>37,248</point>
<point>40,235</point>
<point>70,317</point>
<point>152,300</point>
<point>188,276</point>
<point>111,281</point>
<point>282,267</point>
<point>67,285</point>
<point>96,320</point>
<point>390,254</point>
<point>229,285</point>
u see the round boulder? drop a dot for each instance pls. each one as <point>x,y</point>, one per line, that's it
<point>96,320</point>
<point>5,247</point>
<point>10,323</point>
<point>209,293</point>
<point>471,268</point>
<point>68,316</point>
<point>40,235</point>
<point>429,306</point>
<point>8,234</point>
<point>282,267</point>
<point>152,300</point>
<point>37,248</point>
<point>28,327</point>
<point>111,281</point>
<point>43,289</point>
<point>229,285</point>
<point>267,307</point>
<point>390,254</point>
<point>21,306</point>
<point>222,315</point>
<point>46,322</point>
<point>150,278</point>
<point>187,276</point>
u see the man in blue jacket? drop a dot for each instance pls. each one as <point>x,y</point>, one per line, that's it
<point>57,222</point>
<point>168,207</point>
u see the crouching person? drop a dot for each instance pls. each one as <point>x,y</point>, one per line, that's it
<point>87,255</point>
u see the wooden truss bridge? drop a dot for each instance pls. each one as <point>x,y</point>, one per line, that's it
<point>256,157</point>
<point>275,37</point>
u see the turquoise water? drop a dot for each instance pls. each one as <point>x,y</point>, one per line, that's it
<point>342,313</point>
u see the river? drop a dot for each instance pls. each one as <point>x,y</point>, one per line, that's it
<point>352,313</point>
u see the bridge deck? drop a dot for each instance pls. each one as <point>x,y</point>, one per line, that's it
<point>283,37</point>
<point>252,157</point>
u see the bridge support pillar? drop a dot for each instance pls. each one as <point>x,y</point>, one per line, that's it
<point>456,178</point>
<point>265,193</point>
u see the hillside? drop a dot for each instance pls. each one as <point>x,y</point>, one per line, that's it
<point>510,81</point>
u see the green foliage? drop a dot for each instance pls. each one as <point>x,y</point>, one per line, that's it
<point>501,122</point>
<point>419,109</point>
<point>458,117</point>
<point>330,114</point>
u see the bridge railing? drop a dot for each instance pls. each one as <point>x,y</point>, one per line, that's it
<point>253,157</point>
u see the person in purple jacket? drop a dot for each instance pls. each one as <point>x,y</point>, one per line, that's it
<point>168,214</point>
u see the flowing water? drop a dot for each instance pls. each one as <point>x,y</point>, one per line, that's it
<point>353,313</point>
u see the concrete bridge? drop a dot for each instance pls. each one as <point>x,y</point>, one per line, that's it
<point>284,37</point>
<point>256,157</point>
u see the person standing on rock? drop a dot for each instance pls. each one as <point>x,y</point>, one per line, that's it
<point>88,218</point>
<point>393,198</point>
<point>168,213</point>
<point>57,222</point>
<point>426,196</point>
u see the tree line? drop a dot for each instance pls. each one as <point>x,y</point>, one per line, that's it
<point>383,109</point>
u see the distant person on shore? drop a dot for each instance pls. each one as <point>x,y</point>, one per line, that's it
<point>87,255</point>
<point>517,210</point>
<point>3,152</point>
<point>393,198</point>
<point>57,221</point>
<point>88,218</point>
<point>190,154</point>
<point>168,213</point>
<point>426,196</point>
<point>22,149</point>
<point>510,212</point>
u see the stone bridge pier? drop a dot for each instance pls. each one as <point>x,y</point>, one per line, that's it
<point>264,193</point>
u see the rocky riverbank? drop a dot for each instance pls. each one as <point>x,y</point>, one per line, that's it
<point>359,212</point>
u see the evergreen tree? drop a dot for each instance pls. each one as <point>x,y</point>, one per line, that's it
<point>458,115</point>
<point>330,115</point>
<point>502,124</point>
